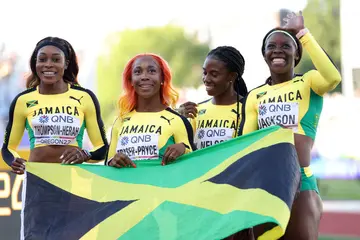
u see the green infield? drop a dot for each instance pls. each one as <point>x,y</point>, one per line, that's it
<point>339,189</point>
<point>338,238</point>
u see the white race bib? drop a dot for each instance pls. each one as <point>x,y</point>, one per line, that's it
<point>55,129</point>
<point>205,137</point>
<point>139,146</point>
<point>285,114</point>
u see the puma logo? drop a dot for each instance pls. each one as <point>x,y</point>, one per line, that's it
<point>77,99</point>
<point>166,119</point>
<point>234,111</point>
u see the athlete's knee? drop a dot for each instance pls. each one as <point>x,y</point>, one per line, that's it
<point>305,217</point>
<point>315,205</point>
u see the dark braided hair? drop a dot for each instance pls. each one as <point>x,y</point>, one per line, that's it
<point>70,73</point>
<point>298,43</point>
<point>235,62</point>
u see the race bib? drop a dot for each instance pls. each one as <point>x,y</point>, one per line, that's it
<point>205,137</point>
<point>285,114</point>
<point>55,129</point>
<point>139,146</point>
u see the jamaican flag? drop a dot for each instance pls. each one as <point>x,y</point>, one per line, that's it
<point>208,194</point>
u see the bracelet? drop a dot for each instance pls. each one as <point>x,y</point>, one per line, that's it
<point>108,162</point>
<point>301,33</point>
<point>87,153</point>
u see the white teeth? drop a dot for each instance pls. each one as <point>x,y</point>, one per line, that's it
<point>278,60</point>
<point>49,73</point>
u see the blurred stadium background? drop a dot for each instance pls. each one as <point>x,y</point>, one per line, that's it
<point>107,33</point>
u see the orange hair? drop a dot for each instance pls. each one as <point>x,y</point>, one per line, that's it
<point>168,95</point>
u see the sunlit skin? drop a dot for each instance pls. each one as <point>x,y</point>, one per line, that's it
<point>219,83</point>
<point>50,67</point>
<point>280,55</point>
<point>147,79</point>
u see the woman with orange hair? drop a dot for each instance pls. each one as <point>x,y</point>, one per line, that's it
<point>147,127</point>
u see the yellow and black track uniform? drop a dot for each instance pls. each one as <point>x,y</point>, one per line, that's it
<point>295,104</point>
<point>146,135</point>
<point>56,119</point>
<point>214,123</point>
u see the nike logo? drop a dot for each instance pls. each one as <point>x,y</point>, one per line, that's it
<point>166,119</point>
<point>71,97</point>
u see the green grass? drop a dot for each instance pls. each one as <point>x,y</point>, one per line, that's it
<point>339,189</point>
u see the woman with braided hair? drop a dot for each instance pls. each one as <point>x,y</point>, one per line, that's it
<point>222,76</point>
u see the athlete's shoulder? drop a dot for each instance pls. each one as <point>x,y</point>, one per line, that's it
<point>298,77</point>
<point>76,87</point>
<point>257,92</point>
<point>24,95</point>
<point>117,121</point>
<point>24,99</point>
<point>171,112</point>
<point>91,96</point>
<point>26,92</point>
<point>310,74</point>
<point>127,117</point>
<point>204,102</point>
<point>304,78</point>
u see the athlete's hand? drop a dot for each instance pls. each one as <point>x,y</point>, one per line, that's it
<point>172,152</point>
<point>18,166</point>
<point>294,22</point>
<point>74,156</point>
<point>120,160</point>
<point>188,110</point>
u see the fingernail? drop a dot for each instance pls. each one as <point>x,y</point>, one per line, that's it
<point>61,157</point>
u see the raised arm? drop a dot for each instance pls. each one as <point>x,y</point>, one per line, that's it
<point>327,77</point>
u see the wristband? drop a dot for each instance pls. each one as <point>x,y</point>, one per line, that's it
<point>87,153</point>
<point>301,33</point>
<point>108,162</point>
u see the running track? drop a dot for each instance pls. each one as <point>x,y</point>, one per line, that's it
<point>341,218</point>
